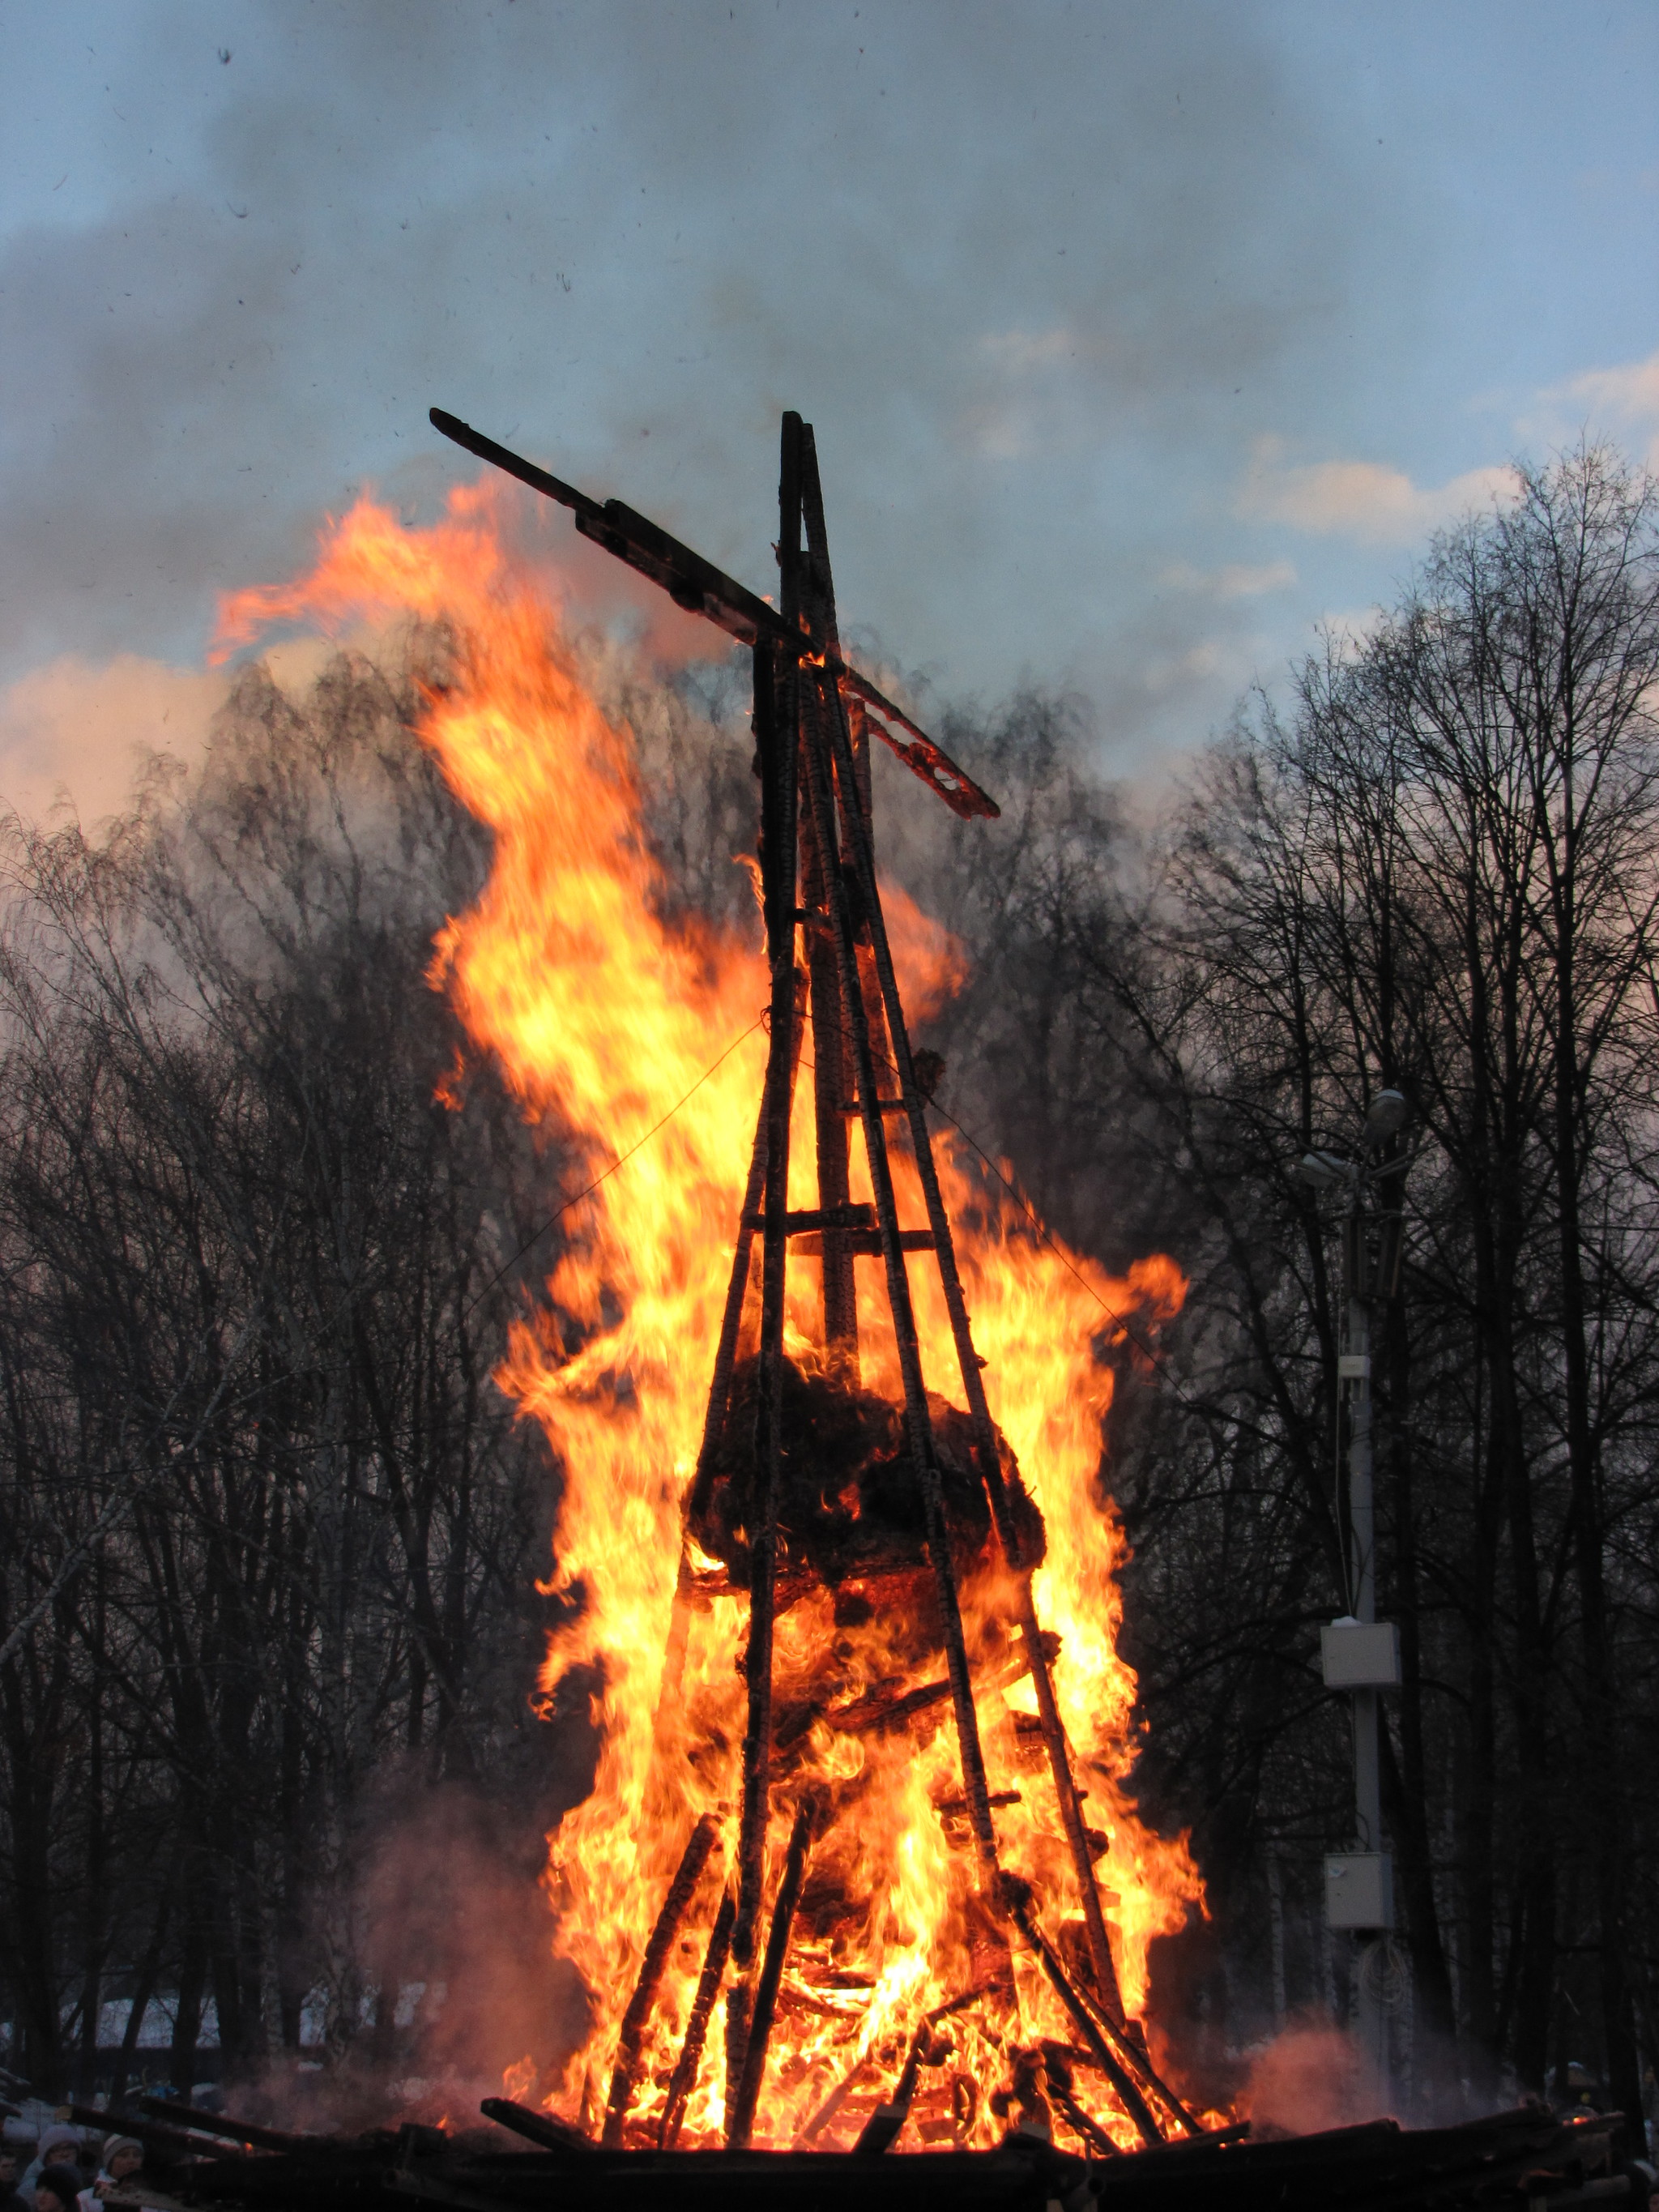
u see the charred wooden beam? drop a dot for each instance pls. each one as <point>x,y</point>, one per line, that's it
<point>831,2106</point>
<point>741,2120</point>
<point>878,1712</point>
<point>779,805</point>
<point>799,1222</point>
<point>1057,2070</point>
<point>1122,2081</point>
<point>545,2129</point>
<point>684,2078</point>
<point>808,596</point>
<point>949,1808</point>
<point>225,2124</point>
<point>862,1243</point>
<point>635,2020</point>
<point>190,2145</point>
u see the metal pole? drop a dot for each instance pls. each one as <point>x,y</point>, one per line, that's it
<point>1362,1520</point>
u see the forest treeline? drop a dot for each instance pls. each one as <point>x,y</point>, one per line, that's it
<point>269,1537</point>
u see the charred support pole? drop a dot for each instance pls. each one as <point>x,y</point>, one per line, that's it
<point>984,1442</point>
<point>740,2122</point>
<point>684,2079</point>
<point>806,590</point>
<point>778,816</point>
<point>681,1890</point>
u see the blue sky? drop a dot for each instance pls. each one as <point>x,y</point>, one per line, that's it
<point>1137,338</point>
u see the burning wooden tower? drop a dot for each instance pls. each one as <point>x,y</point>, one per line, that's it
<point>804,1478</point>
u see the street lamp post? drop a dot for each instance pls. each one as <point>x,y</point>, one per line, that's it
<point>1361,1654</point>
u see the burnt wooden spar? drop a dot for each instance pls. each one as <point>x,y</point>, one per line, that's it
<point>742,2119</point>
<point>634,2019</point>
<point>813,717</point>
<point>684,2079</point>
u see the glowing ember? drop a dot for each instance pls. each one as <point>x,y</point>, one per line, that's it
<point>606,1017</point>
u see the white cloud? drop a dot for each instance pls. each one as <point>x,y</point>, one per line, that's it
<point>1362,500</point>
<point>1236,580</point>
<point>1351,626</point>
<point>77,730</point>
<point>1624,399</point>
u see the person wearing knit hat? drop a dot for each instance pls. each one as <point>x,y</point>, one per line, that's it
<point>56,2142</point>
<point>123,2157</point>
<point>58,2189</point>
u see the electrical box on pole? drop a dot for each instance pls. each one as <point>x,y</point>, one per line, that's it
<point>1360,1655</point>
<point>1359,1889</point>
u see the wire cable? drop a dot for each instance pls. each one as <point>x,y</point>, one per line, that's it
<point>620,1159</point>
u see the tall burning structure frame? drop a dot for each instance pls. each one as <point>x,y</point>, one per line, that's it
<point>814,717</point>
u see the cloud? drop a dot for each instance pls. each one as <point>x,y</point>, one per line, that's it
<point>1622,400</point>
<point>1235,579</point>
<point>72,730</point>
<point>1361,500</point>
<point>1349,629</point>
<point>1630,392</point>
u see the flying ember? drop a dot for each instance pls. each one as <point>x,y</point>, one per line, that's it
<point>859,1863</point>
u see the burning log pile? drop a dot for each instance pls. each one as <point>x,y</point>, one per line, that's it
<point>1525,2158</point>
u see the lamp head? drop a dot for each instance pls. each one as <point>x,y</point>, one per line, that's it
<point>1385,1117</point>
<point>1324,1171</point>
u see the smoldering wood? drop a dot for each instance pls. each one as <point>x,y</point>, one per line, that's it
<point>1058,2075</point>
<point>1520,2161</point>
<point>850,1503</point>
<point>740,2123</point>
<point>683,2080</point>
<point>168,2109</point>
<point>175,2141</point>
<point>829,2109</point>
<point>635,2020</point>
<point>544,2129</point>
<point>867,1714</point>
<point>1123,2083</point>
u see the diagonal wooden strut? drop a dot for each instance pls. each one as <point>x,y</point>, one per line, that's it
<point>780,806</point>
<point>808,595</point>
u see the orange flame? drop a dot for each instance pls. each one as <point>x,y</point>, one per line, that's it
<point>622,1025</point>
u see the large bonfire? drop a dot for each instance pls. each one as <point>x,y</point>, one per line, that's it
<point>620,1023</point>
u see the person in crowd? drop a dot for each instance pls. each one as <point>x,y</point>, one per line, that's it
<point>58,2143</point>
<point>58,2189</point>
<point>122,2166</point>
<point>10,2199</point>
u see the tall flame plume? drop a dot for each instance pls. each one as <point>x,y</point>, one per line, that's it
<point>620,1025</point>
